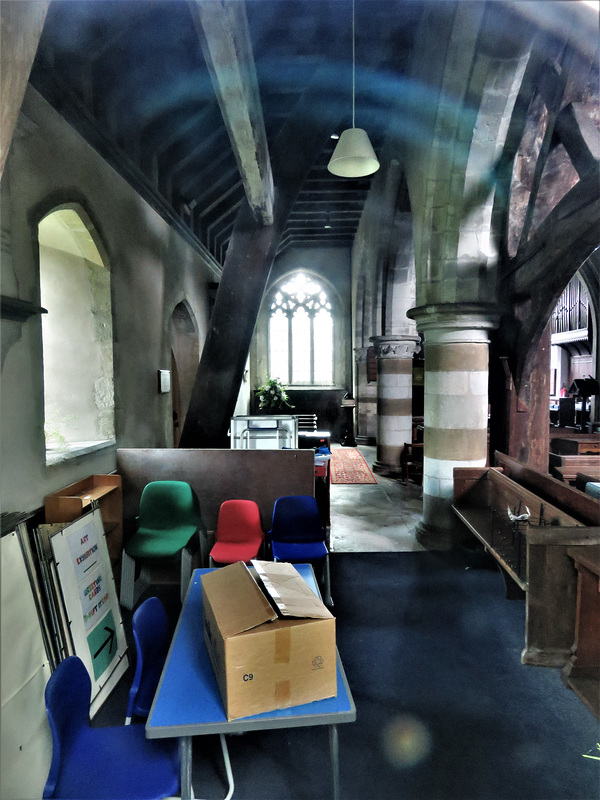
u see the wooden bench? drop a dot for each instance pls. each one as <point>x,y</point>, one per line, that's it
<point>411,462</point>
<point>581,444</point>
<point>582,672</point>
<point>532,552</point>
<point>583,508</point>
<point>566,467</point>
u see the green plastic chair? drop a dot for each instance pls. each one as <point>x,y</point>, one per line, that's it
<point>168,522</point>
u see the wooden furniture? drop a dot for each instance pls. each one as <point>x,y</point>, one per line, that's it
<point>581,444</point>
<point>411,462</point>
<point>578,505</point>
<point>323,492</point>
<point>532,552</point>
<point>566,467</point>
<point>582,672</point>
<point>73,501</point>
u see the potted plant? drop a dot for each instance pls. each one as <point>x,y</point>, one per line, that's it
<point>272,396</point>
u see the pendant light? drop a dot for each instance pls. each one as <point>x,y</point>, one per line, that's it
<point>353,156</point>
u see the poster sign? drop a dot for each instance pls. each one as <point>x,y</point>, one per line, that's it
<point>91,602</point>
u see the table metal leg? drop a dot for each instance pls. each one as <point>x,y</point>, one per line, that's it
<point>185,755</point>
<point>335,761</point>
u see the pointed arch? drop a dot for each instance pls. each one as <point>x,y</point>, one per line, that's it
<point>185,357</point>
<point>303,326</point>
<point>77,335</point>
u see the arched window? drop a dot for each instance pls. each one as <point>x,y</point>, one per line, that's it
<point>301,333</point>
<point>76,338</point>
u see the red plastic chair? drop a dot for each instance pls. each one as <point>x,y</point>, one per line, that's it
<point>239,535</point>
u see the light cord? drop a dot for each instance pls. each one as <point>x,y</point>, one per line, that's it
<point>353,64</point>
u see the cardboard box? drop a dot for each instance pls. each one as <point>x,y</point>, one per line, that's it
<point>271,641</point>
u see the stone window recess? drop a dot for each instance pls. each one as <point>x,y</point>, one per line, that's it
<point>76,336</point>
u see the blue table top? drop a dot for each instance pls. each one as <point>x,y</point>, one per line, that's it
<point>188,702</point>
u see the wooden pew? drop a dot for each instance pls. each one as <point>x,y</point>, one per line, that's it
<point>583,508</point>
<point>566,467</point>
<point>580,444</point>
<point>533,553</point>
<point>582,672</point>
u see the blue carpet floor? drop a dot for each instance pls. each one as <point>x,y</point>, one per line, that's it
<point>445,709</point>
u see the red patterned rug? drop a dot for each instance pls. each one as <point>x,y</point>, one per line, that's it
<point>348,466</point>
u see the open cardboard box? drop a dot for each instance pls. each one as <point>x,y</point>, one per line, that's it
<point>271,641</point>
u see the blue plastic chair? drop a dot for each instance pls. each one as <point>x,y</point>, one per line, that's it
<point>297,535</point>
<point>169,520</point>
<point>151,635</point>
<point>103,763</point>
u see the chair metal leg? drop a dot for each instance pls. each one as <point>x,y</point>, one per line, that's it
<point>335,761</point>
<point>185,756</point>
<point>228,769</point>
<point>127,581</point>
<point>132,589</point>
<point>186,572</point>
<point>327,582</point>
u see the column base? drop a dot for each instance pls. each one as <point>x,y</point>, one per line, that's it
<point>366,441</point>
<point>387,470</point>
<point>434,538</point>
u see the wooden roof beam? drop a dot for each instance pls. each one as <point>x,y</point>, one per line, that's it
<point>222,27</point>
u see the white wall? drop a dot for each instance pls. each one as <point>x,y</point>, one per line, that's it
<point>152,270</point>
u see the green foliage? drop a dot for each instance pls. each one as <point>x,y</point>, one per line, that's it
<point>272,395</point>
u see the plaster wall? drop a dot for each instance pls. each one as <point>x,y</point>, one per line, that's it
<point>152,270</point>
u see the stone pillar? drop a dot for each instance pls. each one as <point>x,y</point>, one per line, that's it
<point>394,399</point>
<point>456,407</point>
<point>366,401</point>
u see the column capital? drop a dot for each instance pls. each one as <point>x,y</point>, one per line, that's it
<point>396,346</point>
<point>360,353</point>
<point>456,322</point>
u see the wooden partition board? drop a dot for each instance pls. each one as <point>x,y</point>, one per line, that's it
<point>218,475</point>
<point>549,578</point>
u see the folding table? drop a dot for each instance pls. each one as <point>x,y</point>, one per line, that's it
<point>188,703</point>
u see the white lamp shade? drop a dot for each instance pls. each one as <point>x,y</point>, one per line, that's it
<point>353,156</point>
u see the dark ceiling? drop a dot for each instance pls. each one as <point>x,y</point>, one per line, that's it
<point>130,75</point>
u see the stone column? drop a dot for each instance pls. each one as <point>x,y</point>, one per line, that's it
<point>456,407</point>
<point>394,399</point>
<point>366,401</point>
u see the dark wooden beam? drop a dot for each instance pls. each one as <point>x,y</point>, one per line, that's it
<point>571,226</point>
<point>20,30</point>
<point>246,269</point>
<point>561,244</point>
<point>223,29</point>
<point>580,137</point>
